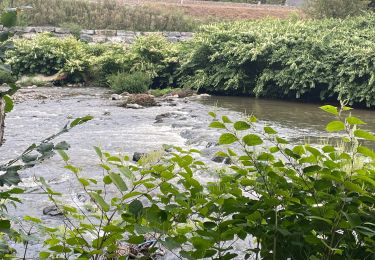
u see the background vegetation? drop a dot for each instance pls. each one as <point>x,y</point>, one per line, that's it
<point>288,59</point>
<point>104,15</point>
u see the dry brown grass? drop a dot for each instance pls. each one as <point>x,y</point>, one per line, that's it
<point>205,10</point>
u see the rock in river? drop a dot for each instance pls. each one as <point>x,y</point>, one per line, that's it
<point>220,159</point>
<point>52,211</point>
<point>137,156</point>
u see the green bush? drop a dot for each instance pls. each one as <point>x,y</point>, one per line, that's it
<point>135,82</point>
<point>48,55</point>
<point>6,77</point>
<point>106,61</point>
<point>334,8</point>
<point>155,55</point>
<point>310,59</point>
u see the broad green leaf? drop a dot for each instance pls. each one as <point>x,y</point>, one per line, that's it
<point>118,181</point>
<point>98,151</point>
<point>63,155</point>
<point>269,130</point>
<point>330,109</point>
<point>135,239</point>
<point>100,201</point>
<point>227,138</point>
<point>226,119</point>
<point>80,120</point>
<point>352,120</point>
<point>136,208</point>
<point>8,104</point>
<point>364,134</point>
<point>217,124</point>
<point>335,126</point>
<point>252,140</point>
<point>241,126</point>
<point>212,114</point>
<point>366,151</point>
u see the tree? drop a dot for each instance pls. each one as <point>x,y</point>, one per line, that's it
<point>334,8</point>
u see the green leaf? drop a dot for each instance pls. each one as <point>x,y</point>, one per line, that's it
<point>63,155</point>
<point>8,103</point>
<point>80,121</point>
<point>352,120</point>
<point>217,124</point>
<point>354,187</point>
<point>320,218</point>
<point>44,255</point>
<point>136,239</point>
<point>241,126</point>
<point>269,130</point>
<point>98,152</point>
<point>136,208</point>
<point>353,218</point>
<point>212,114</point>
<point>366,151</point>
<point>335,126</point>
<point>170,243</point>
<point>330,109</point>
<point>226,119</point>
<point>4,226</point>
<point>100,201</point>
<point>364,134</point>
<point>252,140</point>
<point>118,181</point>
<point>227,138</point>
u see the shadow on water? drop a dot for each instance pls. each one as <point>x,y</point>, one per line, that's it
<point>286,113</point>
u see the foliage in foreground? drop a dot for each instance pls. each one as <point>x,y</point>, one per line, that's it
<point>276,201</point>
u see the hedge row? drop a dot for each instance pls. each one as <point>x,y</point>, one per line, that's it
<point>270,58</point>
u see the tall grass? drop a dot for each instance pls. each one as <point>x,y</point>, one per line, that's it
<point>105,14</point>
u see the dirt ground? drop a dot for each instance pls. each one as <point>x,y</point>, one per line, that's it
<point>220,10</point>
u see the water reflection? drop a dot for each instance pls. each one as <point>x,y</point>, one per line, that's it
<point>288,114</point>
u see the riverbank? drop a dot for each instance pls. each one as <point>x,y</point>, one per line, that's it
<point>310,60</point>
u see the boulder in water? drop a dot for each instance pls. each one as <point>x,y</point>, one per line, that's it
<point>52,211</point>
<point>137,156</point>
<point>220,159</point>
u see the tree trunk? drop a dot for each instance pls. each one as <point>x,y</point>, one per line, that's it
<point>2,117</point>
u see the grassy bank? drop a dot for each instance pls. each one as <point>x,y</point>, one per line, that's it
<point>104,15</point>
<point>291,59</point>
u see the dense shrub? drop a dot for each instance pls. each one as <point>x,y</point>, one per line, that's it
<point>334,8</point>
<point>49,55</point>
<point>156,56</point>
<point>104,14</point>
<point>106,61</point>
<point>135,82</point>
<point>6,77</point>
<point>285,59</point>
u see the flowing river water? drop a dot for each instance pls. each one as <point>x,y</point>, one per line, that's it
<point>182,122</point>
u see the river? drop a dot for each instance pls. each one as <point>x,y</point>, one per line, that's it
<point>182,122</point>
